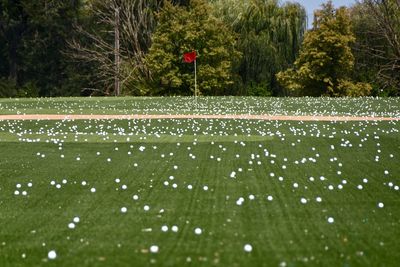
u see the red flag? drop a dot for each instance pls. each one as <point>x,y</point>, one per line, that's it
<point>189,57</point>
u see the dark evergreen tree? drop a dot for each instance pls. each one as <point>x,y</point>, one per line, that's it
<point>35,35</point>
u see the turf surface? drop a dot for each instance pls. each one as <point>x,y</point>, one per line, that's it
<point>271,185</point>
<point>389,107</point>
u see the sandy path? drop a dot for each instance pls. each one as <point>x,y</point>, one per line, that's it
<point>193,116</point>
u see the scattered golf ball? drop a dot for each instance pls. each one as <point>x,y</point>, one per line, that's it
<point>154,249</point>
<point>248,248</point>
<point>198,231</point>
<point>52,254</point>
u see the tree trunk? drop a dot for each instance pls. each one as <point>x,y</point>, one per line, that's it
<point>117,58</point>
<point>13,64</point>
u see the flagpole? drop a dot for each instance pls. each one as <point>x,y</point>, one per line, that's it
<point>195,79</point>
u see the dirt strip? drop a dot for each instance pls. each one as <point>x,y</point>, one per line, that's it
<point>192,116</point>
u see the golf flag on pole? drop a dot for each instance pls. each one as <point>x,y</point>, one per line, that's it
<point>189,57</point>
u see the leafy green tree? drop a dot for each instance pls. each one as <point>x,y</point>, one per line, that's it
<point>270,35</point>
<point>325,61</point>
<point>184,29</point>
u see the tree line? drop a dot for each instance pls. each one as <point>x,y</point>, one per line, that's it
<point>255,48</point>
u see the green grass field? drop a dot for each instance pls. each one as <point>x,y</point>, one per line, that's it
<point>291,193</point>
<point>204,105</point>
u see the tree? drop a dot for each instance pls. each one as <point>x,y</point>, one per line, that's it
<point>376,25</point>
<point>34,34</point>
<point>184,29</point>
<point>13,24</point>
<point>325,61</point>
<point>270,35</point>
<point>118,41</point>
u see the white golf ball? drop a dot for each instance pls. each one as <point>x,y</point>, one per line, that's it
<point>198,231</point>
<point>248,248</point>
<point>154,249</point>
<point>124,209</point>
<point>71,226</point>
<point>52,254</point>
<point>331,220</point>
<point>381,205</point>
<point>76,219</point>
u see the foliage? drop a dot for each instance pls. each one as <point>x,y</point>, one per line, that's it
<point>184,29</point>
<point>365,67</point>
<point>326,59</point>
<point>130,23</point>
<point>259,89</point>
<point>243,48</point>
<point>348,88</point>
<point>29,89</point>
<point>270,35</point>
<point>7,88</point>
<point>34,35</point>
<point>376,26</point>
